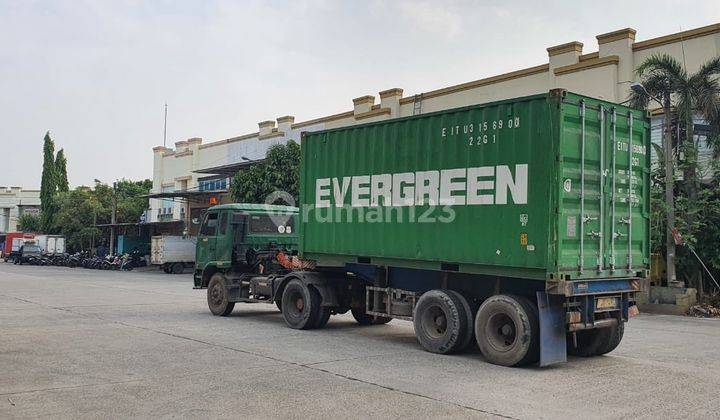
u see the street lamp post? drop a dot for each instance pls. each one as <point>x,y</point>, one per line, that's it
<point>669,182</point>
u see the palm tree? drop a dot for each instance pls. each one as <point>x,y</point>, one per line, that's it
<point>696,94</point>
<point>666,78</point>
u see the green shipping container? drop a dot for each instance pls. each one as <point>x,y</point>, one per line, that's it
<point>551,186</point>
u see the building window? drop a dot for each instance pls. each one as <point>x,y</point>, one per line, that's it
<point>704,152</point>
<point>212,184</point>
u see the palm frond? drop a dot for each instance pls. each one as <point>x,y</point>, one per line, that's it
<point>663,65</point>
<point>709,69</point>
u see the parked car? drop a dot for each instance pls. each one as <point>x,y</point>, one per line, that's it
<point>28,254</point>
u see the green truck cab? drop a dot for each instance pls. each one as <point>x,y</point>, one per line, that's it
<point>243,238</point>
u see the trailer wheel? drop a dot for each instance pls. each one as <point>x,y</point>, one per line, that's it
<point>595,342</point>
<point>177,268</point>
<point>217,296</point>
<point>364,319</point>
<point>440,321</point>
<point>278,303</point>
<point>469,335</point>
<point>300,306</point>
<point>507,330</point>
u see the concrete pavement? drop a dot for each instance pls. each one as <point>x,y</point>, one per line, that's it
<point>78,343</point>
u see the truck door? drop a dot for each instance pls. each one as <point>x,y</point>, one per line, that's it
<point>238,223</point>
<point>224,239</point>
<point>207,240</point>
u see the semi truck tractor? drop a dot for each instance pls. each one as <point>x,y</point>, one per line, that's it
<point>520,226</point>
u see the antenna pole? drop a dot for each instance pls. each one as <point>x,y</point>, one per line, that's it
<point>165,128</point>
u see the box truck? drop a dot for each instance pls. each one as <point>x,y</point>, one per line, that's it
<point>51,244</point>
<point>172,253</point>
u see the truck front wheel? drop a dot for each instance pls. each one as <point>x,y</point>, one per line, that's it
<point>217,296</point>
<point>507,330</point>
<point>441,322</point>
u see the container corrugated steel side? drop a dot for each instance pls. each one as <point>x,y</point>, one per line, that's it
<point>572,223</point>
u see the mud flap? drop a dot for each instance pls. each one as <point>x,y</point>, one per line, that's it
<point>553,347</point>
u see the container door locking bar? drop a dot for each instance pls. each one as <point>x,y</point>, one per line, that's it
<point>630,189</point>
<point>581,261</point>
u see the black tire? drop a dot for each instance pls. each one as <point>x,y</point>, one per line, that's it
<point>507,330</point>
<point>469,335</point>
<point>278,303</point>
<point>595,342</point>
<point>323,314</point>
<point>217,296</point>
<point>300,307</point>
<point>324,317</point>
<point>364,319</point>
<point>177,268</point>
<point>440,322</point>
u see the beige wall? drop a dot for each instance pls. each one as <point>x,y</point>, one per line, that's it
<point>14,201</point>
<point>604,71</point>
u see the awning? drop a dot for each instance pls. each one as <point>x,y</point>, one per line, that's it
<point>186,194</point>
<point>230,169</point>
<point>163,222</point>
<point>192,196</point>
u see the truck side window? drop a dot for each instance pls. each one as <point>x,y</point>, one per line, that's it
<point>209,227</point>
<point>266,224</point>
<point>223,222</point>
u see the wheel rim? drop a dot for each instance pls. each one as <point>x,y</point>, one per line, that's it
<point>501,332</point>
<point>217,296</point>
<point>296,304</point>
<point>434,322</point>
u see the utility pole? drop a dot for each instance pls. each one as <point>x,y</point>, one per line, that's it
<point>113,218</point>
<point>669,196</point>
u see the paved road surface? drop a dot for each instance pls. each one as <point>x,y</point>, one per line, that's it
<point>92,344</point>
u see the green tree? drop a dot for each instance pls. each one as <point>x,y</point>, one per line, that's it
<point>61,171</point>
<point>28,222</point>
<point>280,171</point>
<point>688,96</point>
<point>77,211</point>
<point>131,202</point>
<point>696,94</point>
<point>48,185</point>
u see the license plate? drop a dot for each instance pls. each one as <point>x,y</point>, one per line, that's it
<point>606,303</point>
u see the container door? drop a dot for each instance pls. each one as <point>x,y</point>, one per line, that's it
<point>604,200</point>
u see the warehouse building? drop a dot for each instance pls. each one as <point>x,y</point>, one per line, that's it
<point>195,175</point>
<point>14,202</point>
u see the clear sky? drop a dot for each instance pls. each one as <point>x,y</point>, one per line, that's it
<point>97,73</point>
